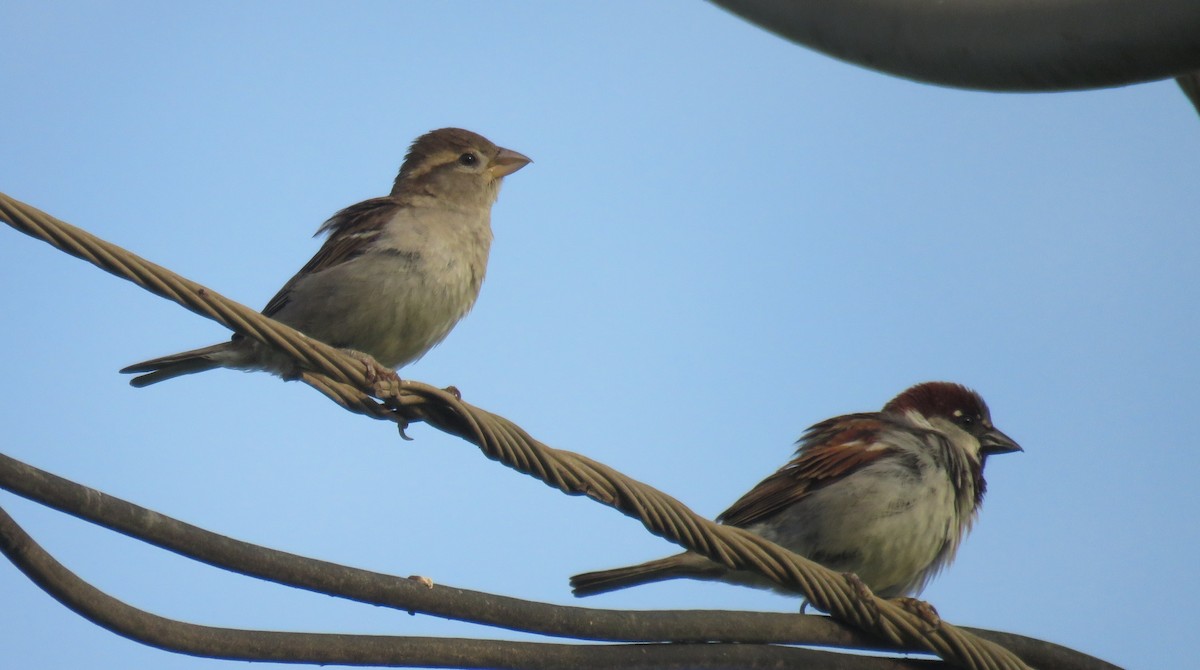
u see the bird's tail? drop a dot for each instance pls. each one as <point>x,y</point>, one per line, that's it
<point>685,565</point>
<point>183,363</point>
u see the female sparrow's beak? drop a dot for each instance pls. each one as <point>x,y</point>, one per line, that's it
<point>996,442</point>
<point>508,162</point>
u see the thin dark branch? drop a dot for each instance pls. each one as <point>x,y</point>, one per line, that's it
<point>464,605</point>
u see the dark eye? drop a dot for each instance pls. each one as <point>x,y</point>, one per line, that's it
<point>468,159</point>
<point>966,420</point>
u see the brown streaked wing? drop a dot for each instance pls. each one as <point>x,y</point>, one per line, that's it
<point>349,231</point>
<point>829,450</point>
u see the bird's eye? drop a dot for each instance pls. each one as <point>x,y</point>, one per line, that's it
<point>468,159</point>
<point>966,420</point>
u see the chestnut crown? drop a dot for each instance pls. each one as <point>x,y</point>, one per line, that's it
<point>957,404</point>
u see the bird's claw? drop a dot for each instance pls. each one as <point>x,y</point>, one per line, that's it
<point>869,606</point>
<point>384,382</point>
<point>922,610</point>
<point>402,425</point>
<point>860,587</point>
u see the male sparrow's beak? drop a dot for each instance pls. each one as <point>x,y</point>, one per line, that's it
<point>507,162</point>
<point>996,442</point>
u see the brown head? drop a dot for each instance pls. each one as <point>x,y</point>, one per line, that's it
<point>958,405</point>
<point>464,165</point>
<point>961,416</point>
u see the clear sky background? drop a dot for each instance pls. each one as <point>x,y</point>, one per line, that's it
<point>724,238</point>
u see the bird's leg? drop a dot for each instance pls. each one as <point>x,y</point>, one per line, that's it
<point>922,610</point>
<point>865,596</point>
<point>384,382</point>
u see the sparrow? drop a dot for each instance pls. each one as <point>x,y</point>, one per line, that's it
<point>394,275</point>
<point>885,495</point>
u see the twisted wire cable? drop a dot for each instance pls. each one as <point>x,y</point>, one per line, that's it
<point>343,379</point>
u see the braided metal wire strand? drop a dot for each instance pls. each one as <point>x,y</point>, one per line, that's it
<point>343,379</point>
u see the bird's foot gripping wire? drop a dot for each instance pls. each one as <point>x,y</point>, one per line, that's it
<point>922,610</point>
<point>384,382</point>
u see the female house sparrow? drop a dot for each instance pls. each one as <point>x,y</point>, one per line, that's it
<point>395,274</point>
<point>886,495</point>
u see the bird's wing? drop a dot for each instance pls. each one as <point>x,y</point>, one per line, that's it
<point>350,232</point>
<point>829,451</point>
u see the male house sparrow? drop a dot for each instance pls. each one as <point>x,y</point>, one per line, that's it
<point>886,495</point>
<point>395,274</point>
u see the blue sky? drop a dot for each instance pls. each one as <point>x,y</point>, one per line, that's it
<point>724,238</point>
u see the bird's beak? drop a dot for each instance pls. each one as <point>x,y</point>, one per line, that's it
<point>996,442</point>
<point>508,162</point>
